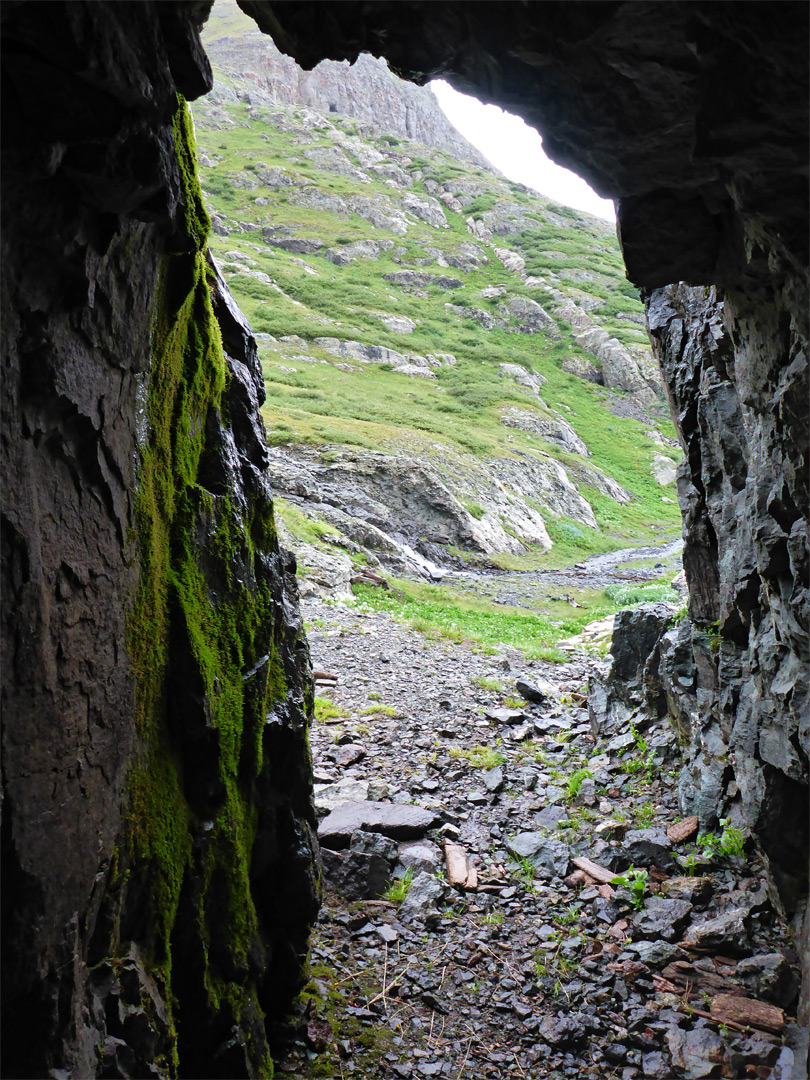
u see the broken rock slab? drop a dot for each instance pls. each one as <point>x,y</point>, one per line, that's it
<point>662,919</point>
<point>424,896</point>
<point>391,819</point>
<point>537,691</point>
<point>329,796</point>
<point>542,850</point>
<point>420,857</point>
<point>354,875</point>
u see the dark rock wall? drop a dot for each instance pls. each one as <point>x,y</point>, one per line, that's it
<point>157,841</point>
<point>736,368</point>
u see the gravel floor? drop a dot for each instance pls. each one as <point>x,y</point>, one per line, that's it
<point>527,974</point>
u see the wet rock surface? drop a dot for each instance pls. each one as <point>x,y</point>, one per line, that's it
<point>534,967</point>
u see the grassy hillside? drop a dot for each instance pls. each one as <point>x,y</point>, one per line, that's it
<point>357,207</point>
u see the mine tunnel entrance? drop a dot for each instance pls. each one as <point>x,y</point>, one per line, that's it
<point>445,356</point>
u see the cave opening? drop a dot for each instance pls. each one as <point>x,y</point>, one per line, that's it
<point>107,841</point>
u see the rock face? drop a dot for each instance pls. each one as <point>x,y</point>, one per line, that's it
<point>392,106</point>
<point>742,416</point>
<point>158,832</point>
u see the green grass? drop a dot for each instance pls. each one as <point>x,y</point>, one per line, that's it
<point>454,418</point>
<point>398,890</point>
<point>327,710</point>
<point>478,757</point>
<point>378,709</point>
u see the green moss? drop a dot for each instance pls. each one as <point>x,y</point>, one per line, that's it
<point>203,592</point>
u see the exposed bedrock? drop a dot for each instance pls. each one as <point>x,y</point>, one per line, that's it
<point>736,368</point>
<point>157,832</point>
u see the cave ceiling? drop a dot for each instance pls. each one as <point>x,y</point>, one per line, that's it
<point>693,116</point>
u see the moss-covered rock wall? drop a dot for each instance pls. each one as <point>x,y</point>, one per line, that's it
<point>158,846</point>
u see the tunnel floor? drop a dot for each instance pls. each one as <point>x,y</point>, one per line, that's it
<point>526,971</point>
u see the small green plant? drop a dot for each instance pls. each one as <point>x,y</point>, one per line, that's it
<point>327,710</point>
<point>730,842</point>
<point>488,684</point>
<point>398,890</point>
<point>525,870</point>
<point>636,882</point>
<point>379,709</point>
<point>493,918</point>
<point>575,782</point>
<point>688,862</point>
<point>478,757</point>
<point>646,814</point>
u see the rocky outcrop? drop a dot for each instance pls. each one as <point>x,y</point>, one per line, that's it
<point>742,417</point>
<point>117,834</point>
<point>366,90</point>
<point>157,837</point>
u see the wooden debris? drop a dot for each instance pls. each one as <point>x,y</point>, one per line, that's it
<point>368,577</point>
<point>748,1012</point>
<point>324,676</point>
<point>687,975</point>
<point>459,871</point>
<point>682,830</point>
<point>597,872</point>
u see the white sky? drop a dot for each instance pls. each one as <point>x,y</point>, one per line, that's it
<point>517,150</point>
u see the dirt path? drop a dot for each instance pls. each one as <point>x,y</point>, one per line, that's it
<point>527,974</point>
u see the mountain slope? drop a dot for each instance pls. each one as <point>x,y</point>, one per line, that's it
<point>456,366</point>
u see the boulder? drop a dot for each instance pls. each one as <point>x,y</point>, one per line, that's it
<point>420,857</point>
<point>391,819</point>
<point>551,428</point>
<point>424,896</point>
<point>355,875</point>
<point>542,849</point>
<point>537,691</point>
<point>511,260</point>
<point>662,919</point>
<point>529,316</point>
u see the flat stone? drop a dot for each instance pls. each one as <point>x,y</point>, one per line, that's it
<point>505,716</point>
<point>549,817</point>
<point>656,953</point>
<point>394,820</point>
<point>330,796</point>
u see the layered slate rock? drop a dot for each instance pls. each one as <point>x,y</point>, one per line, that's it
<point>158,831</point>
<point>392,820</point>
